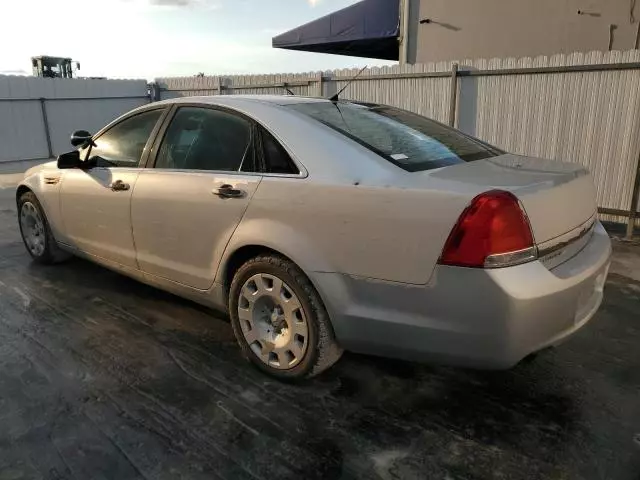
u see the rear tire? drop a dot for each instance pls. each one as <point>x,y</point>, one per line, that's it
<point>36,233</point>
<point>283,328</point>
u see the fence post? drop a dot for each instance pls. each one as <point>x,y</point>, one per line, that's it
<point>453,99</point>
<point>329,85</point>
<point>320,84</point>
<point>631,223</point>
<point>45,122</point>
<point>220,86</point>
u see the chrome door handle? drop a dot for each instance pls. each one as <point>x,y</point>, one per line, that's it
<point>227,191</point>
<point>119,186</point>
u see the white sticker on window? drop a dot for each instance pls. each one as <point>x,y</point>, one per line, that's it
<point>399,156</point>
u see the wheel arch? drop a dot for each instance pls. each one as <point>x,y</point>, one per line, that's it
<point>257,235</point>
<point>47,197</point>
<point>240,256</point>
<point>237,257</point>
<point>21,190</point>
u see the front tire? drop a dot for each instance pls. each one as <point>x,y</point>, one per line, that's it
<point>279,319</point>
<point>35,231</point>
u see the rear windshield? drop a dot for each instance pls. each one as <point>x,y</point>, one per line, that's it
<point>410,141</point>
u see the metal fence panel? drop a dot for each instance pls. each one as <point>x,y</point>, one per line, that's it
<point>21,131</point>
<point>91,115</point>
<point>426,96</point>
<point>21,125</point>
<point>69,104</point>
<point>240,84</point>
<point>173,87</point>
<point>591,118</point>
<point>303,84</point>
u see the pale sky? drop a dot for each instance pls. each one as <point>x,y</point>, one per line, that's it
<point>155,38</point>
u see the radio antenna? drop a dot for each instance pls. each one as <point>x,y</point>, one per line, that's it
<point>336,97</point>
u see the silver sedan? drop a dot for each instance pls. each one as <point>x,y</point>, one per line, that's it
<point>327,225</point>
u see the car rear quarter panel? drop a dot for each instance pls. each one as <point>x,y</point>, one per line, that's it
<point>381,232</point>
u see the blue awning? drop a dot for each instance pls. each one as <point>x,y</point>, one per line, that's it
<point>366,29</point>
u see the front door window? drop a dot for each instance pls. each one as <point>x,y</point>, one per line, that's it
<point>122,145</point>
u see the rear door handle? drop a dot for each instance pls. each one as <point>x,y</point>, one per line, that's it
<point>228,191</point>
<point>119,186</point>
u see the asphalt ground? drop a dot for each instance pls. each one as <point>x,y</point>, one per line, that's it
<point>102,377</point>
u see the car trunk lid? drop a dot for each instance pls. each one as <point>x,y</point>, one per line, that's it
<point>557,197</point>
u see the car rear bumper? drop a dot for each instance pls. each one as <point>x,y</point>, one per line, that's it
<point>470,317</point>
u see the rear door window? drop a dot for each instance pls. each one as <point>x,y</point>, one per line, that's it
<point>207,139</point>
<point>410,141</point>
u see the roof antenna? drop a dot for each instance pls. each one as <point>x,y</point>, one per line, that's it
<point>335,98</point>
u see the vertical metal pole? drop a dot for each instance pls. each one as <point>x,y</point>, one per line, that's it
<point>220,86</point>
<point>404,34</point>
<point>453,99</point>
<point>45,122</point>
<point>634,203</point>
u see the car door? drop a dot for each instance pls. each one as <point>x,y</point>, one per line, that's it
<point>186,207</point>
<point>95,202</point>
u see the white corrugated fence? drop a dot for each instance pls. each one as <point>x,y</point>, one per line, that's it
<point>37,115</point>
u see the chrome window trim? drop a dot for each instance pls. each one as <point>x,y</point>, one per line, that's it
<point>170,114</point>
<point>226,172</point>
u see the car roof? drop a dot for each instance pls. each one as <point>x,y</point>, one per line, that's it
<point>245,99</point>
<point>311,144</point>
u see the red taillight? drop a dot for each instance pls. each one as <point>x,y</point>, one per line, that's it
<point>491,232</point>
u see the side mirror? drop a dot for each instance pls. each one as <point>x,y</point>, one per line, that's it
<point>80,137</point>
<point>70,160</point>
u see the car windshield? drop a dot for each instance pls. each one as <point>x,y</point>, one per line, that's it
<point>410,141</point>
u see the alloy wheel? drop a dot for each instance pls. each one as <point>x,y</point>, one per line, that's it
<point>273,321</point>
<point>33,230</point>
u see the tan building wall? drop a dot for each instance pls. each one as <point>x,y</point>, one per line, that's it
<point>466,29</point>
